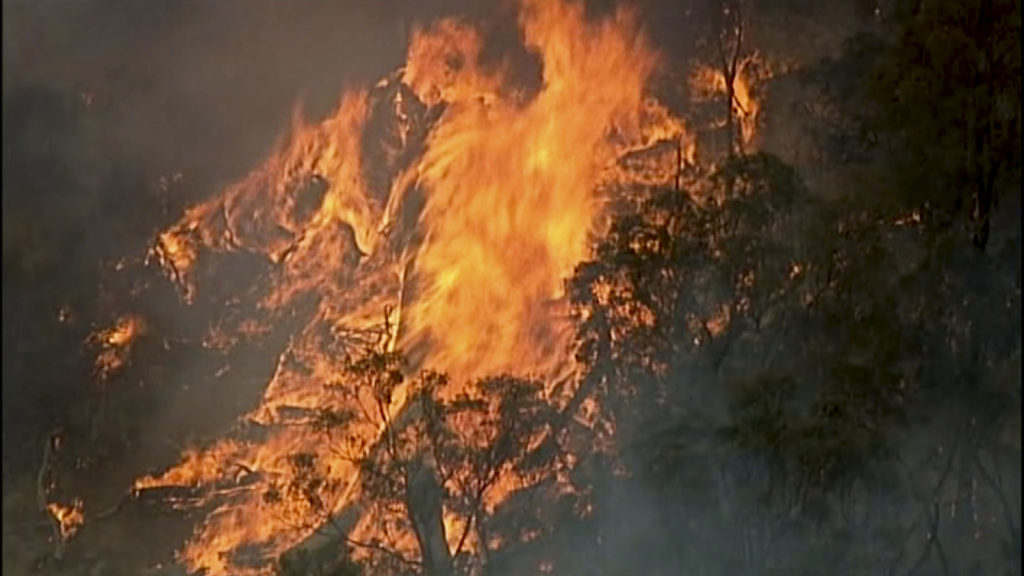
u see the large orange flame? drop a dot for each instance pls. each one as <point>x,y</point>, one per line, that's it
<point>465,224</point>
<point>510,201</point>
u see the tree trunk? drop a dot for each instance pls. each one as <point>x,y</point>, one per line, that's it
<point>423,502</point>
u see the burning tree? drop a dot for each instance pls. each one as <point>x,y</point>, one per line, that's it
<point>465,219</point>
<point>789,347</point>
<point>758,344</point>
<point>428,486</point>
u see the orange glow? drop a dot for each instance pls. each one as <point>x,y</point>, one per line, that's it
<point>116,343</point>
<point>511,198</point>
<point>707,82</point>
<point>70,518</point>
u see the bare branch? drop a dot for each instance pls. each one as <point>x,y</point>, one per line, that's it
<point>465,533</point>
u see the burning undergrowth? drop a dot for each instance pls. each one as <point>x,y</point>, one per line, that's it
<point>452,204</point>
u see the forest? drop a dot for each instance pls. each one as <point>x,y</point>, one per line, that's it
<point>799,353</point>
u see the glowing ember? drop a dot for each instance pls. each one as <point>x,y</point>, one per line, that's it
<point>115,344</point>
<point>70,518</point>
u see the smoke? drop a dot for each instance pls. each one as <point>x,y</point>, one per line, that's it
<point>117,115</point>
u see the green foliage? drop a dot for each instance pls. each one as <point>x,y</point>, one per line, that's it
<point>932,99</point>
<point>801,353</point>
<point>683,280</point>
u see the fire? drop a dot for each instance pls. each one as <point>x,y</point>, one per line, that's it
<point>511,205</point>
<point>464,223</point>
<point>115,344</point>
<point>442,65</point>
<point>707,82</point>
<point>70,518</point>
